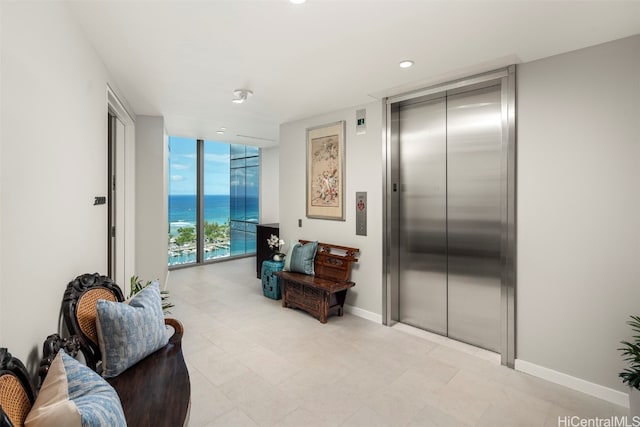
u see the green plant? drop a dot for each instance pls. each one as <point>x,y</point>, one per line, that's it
<point>631,355</point>
<point>137,286</point>
<point>186,235</point>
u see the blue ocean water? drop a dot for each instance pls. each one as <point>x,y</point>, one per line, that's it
<point>182,210</point>
<point>217,208</point>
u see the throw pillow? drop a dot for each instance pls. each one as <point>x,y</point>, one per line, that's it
<point>129,332</point>
<point>73,395</point>
<point>287,260</point>
<point>302,257</point>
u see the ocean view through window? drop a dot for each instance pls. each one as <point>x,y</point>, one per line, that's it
<point>213,200</point>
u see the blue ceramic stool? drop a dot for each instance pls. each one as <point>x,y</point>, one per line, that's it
<point>270,284</point>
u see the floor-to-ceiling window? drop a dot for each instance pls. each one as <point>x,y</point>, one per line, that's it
<point>183,221</point>
<point>244,198</point>
<point>213,200</point>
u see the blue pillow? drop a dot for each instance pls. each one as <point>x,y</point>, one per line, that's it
<point>287,258</point>
<point>127,333</point>
<point>74,395</point>
<point>302,257</point>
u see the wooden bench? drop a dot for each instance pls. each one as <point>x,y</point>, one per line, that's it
<point>324,293</point>
<point>156,391</point>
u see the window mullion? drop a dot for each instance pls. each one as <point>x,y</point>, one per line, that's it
<point>200,202</point>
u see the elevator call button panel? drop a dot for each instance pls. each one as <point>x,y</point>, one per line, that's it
<point>361,213</point>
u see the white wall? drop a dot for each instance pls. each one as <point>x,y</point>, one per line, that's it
<point>579,209</point>
<point>1,189</point>
<point>151,199</point>
<point>363,173</point>
<point>269,187</point>
<point>53,144</point>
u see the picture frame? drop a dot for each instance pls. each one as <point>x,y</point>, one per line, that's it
<point>326,171</point>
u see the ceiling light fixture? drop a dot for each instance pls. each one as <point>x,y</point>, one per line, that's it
<point>241,95</point>
<point>406,63</point>
<point>297,1</point>
<point>220,132</point>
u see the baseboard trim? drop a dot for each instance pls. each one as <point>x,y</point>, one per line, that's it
<point>365,314</point>
<point>578,384</point>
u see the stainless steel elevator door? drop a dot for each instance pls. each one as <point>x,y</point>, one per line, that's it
<point>474,152</point>
<point>449,269</point>
<point>422,230</point>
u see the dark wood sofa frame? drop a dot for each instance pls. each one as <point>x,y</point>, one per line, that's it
<point>17,393</point>
<point>324,293</point>
<point>156,391</point>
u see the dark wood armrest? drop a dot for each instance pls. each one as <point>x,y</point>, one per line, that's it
<point>176,338</point>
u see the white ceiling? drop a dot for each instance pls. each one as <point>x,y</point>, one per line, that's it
<point>183,59</point>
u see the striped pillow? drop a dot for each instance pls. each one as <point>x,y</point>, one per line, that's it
<point>129,332</point>
<point>74,395</point>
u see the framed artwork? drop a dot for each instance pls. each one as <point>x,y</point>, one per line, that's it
<point>325,171</point>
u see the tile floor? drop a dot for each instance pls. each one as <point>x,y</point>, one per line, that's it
<point>254,363</point>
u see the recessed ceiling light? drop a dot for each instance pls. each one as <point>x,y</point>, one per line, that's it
<point>406,63</point>
<point>220,132</point>
<point>297,1</point>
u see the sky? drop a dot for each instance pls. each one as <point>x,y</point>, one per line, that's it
<point>182,166</point>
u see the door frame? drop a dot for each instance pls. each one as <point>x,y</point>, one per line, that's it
<point>124,212</point>
<point>507,79</point>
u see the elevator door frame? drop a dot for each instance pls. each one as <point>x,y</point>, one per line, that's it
<point>506,79</point>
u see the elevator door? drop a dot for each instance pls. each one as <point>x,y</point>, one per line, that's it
<point>449,264</point>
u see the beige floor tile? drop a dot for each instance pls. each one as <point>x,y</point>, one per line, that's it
<point>268,364</point>
<point>217,369</point>
<point>271,410</point>
<point>253,362</point>
<point>333,403</point>
<point>248,387</point>
<point>302,417</point>
<point>466,406</point>
<point>263,402</point>
<point>365,381</point>
<point>207,402</point>
<point>365,417</point>
<point>302,385</point>
<point>393,409</point>
<point>230,341</point>
<point>516,410</point>
<point>233,418</point>
<point>433,417</point>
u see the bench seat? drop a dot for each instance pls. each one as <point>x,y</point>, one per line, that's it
<point>156,391</point>
<point>325,292</point>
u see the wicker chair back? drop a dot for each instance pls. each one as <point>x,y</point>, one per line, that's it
<point>16,392</point>
<point>79,310</point>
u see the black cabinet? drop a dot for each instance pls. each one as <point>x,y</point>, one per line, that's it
<point>263,232</point>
